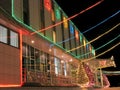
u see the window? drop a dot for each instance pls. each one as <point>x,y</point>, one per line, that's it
<point>54,36</point>
<point>65,22</point>
<point>13,39</point>
<point>47,4</point>
<point>65,68</point>
<point>26,12</point>
<point>57,66</point>
<point>71,29</point>
<point>42,16</point>
<point>76,34</point>
<point>9,37</point>
<point>3,34</point>
<point>57,12</point>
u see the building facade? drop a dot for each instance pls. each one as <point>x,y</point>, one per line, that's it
<point>37,42</point>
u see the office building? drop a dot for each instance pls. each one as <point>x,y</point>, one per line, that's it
<point>37,42</point>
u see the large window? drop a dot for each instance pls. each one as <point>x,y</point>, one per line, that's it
<point>57,66</point>
<point>26,12</point>
<point>65,68</point>
<point>3,34</point>
<point>54,36</point>
<point>42,16</point>
<point>9,37</point>
<point>13,39</point>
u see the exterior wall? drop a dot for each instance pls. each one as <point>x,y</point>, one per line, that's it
<point>34,10</point>
<point>10,63</point>
<point>5,4</point>
<point>9,66</point>
<point>18,9</point>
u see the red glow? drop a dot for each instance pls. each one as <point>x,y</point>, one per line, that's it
<point>76,34</point>
<point>47,4</point>
<point>21,57</point>
<point>10,85</point>
<point>17,85</point>
<point>69,17</point>
<point>24,32</point>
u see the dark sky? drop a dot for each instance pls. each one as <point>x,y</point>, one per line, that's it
<point>94,16</point>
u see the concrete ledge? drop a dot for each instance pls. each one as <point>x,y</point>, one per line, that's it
<point>58,88</point>
<point>41,88</point>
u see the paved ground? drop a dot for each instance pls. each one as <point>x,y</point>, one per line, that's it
<point>59,88</point>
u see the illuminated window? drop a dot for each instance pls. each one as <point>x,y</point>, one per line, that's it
<point>90,47</point>
<point>81,38</point>
<point>87,46</point>
<point>76,34</point>
<point>71,29</point>
<point>54,36</point>
<point>84,43</point>
<point>65,68</point>
<point>57,13</point>
<point>57,66</point>
<point>93,52</point>
<point>3,34</point>
<point>13,39</point>
<point>53,17</point>
<point>65,22</point>
<point>47,4</point>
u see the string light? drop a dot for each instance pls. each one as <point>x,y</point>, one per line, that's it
<point>96,38</point>
<point>92,27</point>
<point>102,53</point>
<point>69,17</point>
<point>101,46</point>
<point>112,72</point>
<point>32,29</point>
<point>102,22</point>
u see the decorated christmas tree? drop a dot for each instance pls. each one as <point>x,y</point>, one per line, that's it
<point>82,77</point>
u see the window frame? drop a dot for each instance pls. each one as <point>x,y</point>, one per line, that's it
<point>9,37</point>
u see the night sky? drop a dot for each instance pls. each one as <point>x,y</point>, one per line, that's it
<point>91,18</point>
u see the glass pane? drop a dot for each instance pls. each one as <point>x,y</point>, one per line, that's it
<point>13,39</point>
<point>3,34</point>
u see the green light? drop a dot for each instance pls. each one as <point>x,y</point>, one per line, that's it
<point>81,38</point>
<point>57,13</point>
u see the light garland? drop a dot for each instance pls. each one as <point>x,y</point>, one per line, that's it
<point>101,53</point>
<point>32,29</point>
<point>96,38</point>
<point>92,27</point>
<point>101,46</point>
<point>68,18</point>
